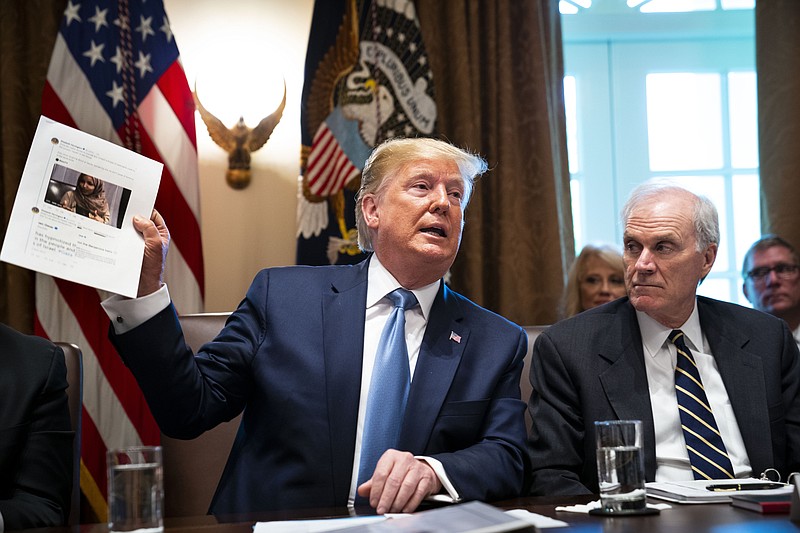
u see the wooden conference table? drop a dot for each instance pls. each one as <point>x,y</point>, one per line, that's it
<point>707,518</point>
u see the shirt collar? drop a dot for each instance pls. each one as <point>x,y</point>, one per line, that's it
<point>654,334</point>
<point>380,282</point>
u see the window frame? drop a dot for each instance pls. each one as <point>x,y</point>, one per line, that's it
<point>610,54</point>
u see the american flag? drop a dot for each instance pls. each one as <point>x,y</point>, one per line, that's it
<point>367,79</point>
<point>115,73</point>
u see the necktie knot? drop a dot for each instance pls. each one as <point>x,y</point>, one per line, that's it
<point>403,298</point>
<point>676,338</point>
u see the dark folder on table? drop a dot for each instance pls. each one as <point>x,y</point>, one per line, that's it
<point>763,503</point>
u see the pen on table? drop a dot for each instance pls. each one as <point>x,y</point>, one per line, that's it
<point>724,487</point>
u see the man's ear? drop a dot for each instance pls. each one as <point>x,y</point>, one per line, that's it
<point>709,256</point>
<point>369,208</point>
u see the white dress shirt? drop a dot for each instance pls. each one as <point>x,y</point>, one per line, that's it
<point>379,284</point>
<point>660,358</point>
<point>796,335</point>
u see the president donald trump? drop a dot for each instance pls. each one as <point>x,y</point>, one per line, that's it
<point>304,356</point>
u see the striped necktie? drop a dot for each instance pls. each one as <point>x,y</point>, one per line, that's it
<point>388,390</point>
<point>707,452</point>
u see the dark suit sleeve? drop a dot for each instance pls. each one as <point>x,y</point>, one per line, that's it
<point>38,483</point>
<point>495,467</point>
<point>187,395</point>
<point>790,392</point>
<point>190,394</point>
<point>557,433</point>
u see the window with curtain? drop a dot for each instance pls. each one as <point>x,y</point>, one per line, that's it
<point>663,88</point>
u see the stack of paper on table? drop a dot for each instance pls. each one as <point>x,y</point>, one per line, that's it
<point>696,492</point>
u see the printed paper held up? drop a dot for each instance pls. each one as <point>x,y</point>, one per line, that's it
<point>72,216</point>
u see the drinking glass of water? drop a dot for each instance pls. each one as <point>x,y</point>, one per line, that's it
<point>135,489</point>
<point>620,466</point>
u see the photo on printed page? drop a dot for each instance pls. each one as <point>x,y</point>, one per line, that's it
<point>87,196</point>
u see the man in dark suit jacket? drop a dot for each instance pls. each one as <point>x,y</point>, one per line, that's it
<point>294,356</point>
<point>35,433</point>
<point>615,362</point>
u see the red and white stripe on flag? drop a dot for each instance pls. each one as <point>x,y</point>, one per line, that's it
<point>329,168</point>
<point>115,73</point>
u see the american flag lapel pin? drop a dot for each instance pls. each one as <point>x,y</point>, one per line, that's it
<point>455,337</point>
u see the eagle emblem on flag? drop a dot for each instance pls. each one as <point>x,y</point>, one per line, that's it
<point>371,84</point>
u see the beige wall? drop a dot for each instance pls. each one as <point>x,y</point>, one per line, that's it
<point>245,47</point>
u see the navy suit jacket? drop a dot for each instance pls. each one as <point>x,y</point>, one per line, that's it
<point>35,432</point>
<point>290,357</point>
<point>591,367</point>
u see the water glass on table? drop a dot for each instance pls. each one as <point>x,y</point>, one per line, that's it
<point>135,489</point>
<point>620,466</point>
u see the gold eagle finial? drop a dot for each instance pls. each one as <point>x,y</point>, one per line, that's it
<point>240,140</point>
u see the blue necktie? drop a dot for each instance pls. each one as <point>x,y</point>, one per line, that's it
<point>388,391</point>
<point>707,452</point>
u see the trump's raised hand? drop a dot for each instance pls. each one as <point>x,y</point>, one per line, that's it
<point>156,245</point>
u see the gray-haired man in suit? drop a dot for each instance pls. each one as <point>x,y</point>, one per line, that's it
<point>617,361</point>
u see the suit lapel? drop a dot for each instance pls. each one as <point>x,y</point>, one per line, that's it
<point>439,357</point>
<point>625,379</point>
<point>740,369</point>
<point>742,373</point>
<point>343,311</point>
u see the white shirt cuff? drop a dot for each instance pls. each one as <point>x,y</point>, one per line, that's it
<point>452,494</point>
<point>128,313</point>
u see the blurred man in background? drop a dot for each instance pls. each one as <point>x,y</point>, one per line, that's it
<point>771,273</point>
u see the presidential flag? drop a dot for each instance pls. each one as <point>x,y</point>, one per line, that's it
<point>115,73</point>
<point>367,80</point>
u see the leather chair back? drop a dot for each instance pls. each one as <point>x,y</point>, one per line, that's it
<point>192,468</point>
<point>74,359</point>
<point>524,381</point>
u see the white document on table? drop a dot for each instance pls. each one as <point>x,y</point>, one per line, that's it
<point>51,239</point>
<point>314,526</point>
<point>333,524</point>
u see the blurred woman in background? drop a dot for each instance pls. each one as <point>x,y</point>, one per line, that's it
<point>596,277</point>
